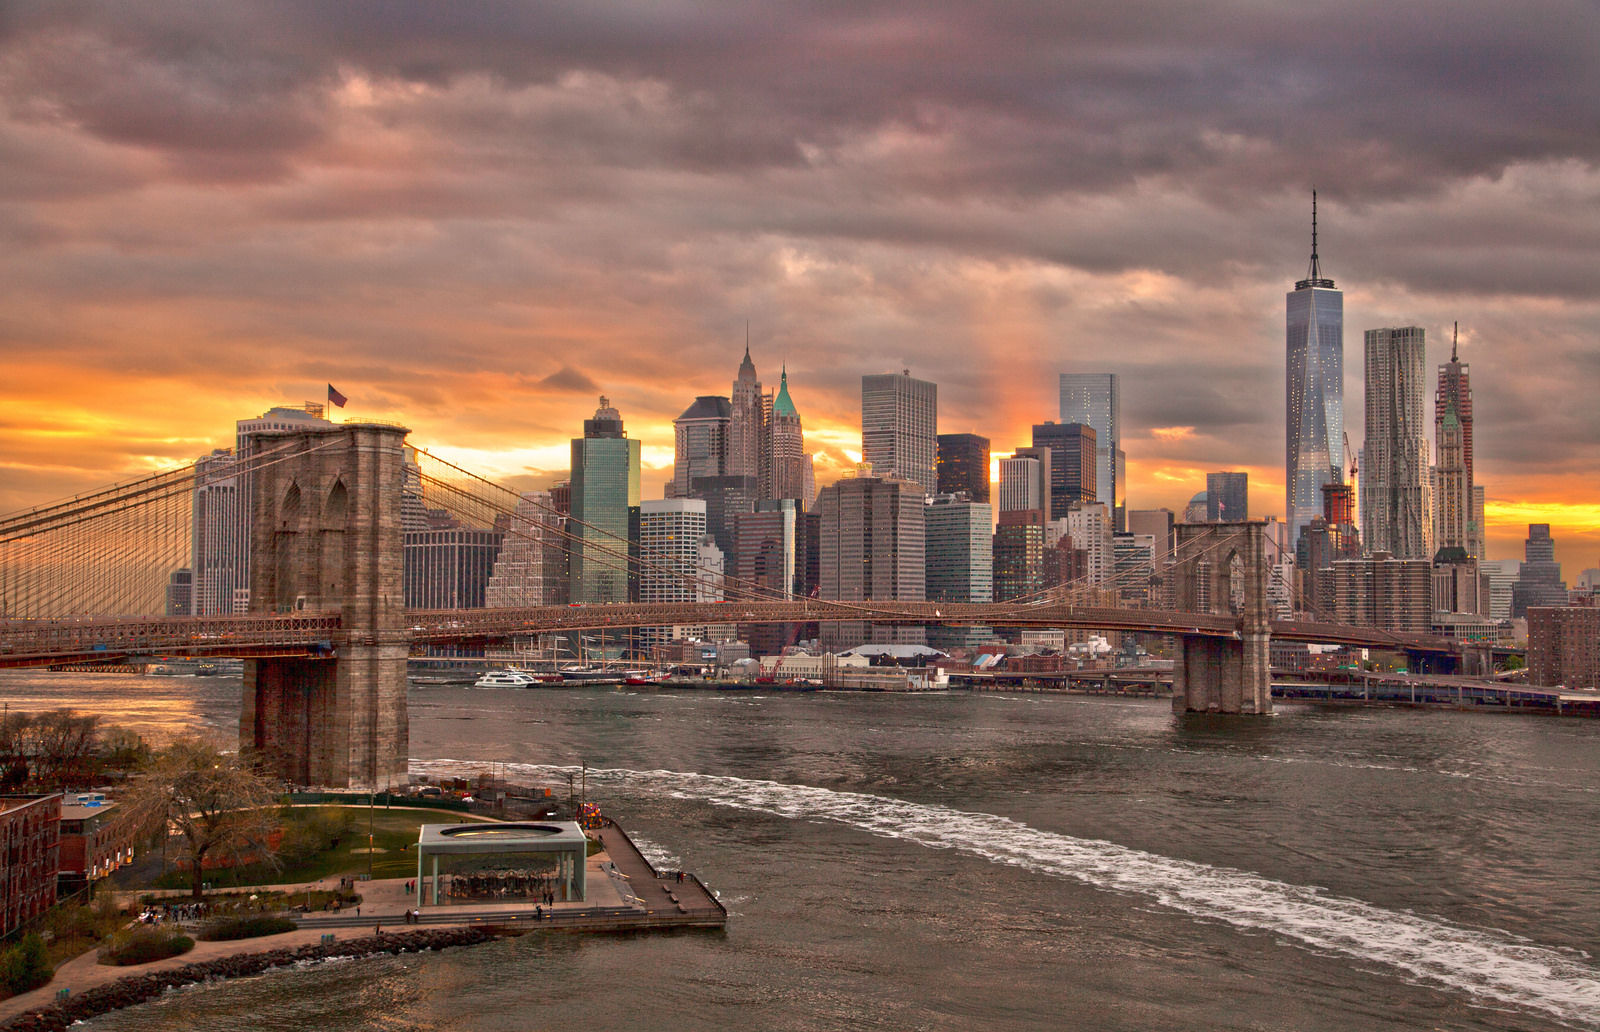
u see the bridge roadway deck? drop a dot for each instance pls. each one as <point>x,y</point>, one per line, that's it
<point>88,639</point>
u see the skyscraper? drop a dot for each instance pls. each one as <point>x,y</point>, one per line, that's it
<point>1095,399</point>
<point>964,465</point>
<point>899,427</point>
<point>747,422</point>
<point>786,453</point>
<point>958,562</point>
<point>1539,583</point>
<point>1394,467</point>
<point>220,529</point>
<point>700,438</point>
<point>1025,481</point>
<point>1072,463</point>
<point>873,534</point>
<point>1227,497</point>
<point>1314,334</point>
<point>670,533</point>
<point>605,486</point>
<point>1455,507</point>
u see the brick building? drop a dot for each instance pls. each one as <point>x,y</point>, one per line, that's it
<point>1564,646</point>
<point>30,849</point>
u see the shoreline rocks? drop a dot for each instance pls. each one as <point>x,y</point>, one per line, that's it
<point>139,988</point>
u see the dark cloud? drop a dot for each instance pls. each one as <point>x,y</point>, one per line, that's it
<point>440,203</point>
<point>569,379</point>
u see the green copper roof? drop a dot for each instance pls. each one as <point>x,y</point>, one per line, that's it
<point>781,405</point>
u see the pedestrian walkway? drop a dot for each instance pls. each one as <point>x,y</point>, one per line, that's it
<point>664,900</point>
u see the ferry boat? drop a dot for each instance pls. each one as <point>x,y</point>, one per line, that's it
<point>582,674</point>
<point>505,679</point>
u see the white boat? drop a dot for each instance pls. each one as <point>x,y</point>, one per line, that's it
<point>505,679</point>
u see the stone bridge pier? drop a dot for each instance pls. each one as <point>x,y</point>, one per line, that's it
<point>326,535</point>
<point>1222,568</point>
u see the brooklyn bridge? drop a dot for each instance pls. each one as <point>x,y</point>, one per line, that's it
<point>327,635</point>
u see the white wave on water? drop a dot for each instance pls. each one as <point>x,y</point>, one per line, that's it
<point>1494,967</point>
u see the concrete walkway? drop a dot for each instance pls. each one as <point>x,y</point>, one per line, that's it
<point>383,907</point>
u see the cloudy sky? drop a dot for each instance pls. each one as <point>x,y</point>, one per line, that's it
<point>477,217</point>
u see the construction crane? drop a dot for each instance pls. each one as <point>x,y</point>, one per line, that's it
<point>1350,453</point>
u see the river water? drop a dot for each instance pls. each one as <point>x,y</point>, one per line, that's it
<point>957,861</point>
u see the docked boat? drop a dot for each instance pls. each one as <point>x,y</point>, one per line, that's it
<point>596,674</point>
<point>505,679</point>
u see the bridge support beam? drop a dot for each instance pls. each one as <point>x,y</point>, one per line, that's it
<point>1222,568</point>
<point>326,536</point>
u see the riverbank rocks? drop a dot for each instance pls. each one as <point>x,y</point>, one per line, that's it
<point>136,989</point>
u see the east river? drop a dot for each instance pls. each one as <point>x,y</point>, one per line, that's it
<point>955,861</point>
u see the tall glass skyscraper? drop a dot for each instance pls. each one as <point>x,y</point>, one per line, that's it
<point>1095,399</point>
<point>605,485</point>
<point>1315,336</point>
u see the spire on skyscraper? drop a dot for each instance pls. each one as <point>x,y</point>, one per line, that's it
<point>1314,276</point>
<point>1454,333</point>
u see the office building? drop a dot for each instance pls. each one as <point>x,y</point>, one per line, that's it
<point>1227,497</point>
<point>1158,523</point>
<point>1025,481</point>
<point>1503,575</point>
<point>1133,570</point>
<point>899,427</point>
<point>786,448</point>
<point>963,463</point>
<point>767,553</point>
<point>1539,583</point>
<point>701,442</point>
<point>725,497</point>
<point>448,566</point>
<point>873,533</point>
<point>1314,335</point>
<point>180,593</point>
<point>1458,585</point>
<point>531,568</point>
<point>1089,526</point>
<point>1072,463</point>
<point>1394,463</point>
<point>1018,554</point>
<point>604,490</point>
<point>959,562</point>
<point>747,423</point>
<point>1564,647</point>
<point>217,550</point>
<point>671,532</point>
<point>1095,400</point>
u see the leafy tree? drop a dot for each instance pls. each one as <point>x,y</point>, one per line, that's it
<point>26,965</point>
<point>219,806</point>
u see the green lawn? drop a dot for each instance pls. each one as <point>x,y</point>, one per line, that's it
<point>394,842</point>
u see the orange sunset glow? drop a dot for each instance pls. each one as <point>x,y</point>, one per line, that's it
<point>474,230</point>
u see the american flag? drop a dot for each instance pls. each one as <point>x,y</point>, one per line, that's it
<point>335,398</point>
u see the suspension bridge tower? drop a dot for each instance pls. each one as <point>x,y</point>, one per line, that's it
<point>1222,568</point>
<point>326,536</point>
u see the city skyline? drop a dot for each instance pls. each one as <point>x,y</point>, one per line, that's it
<point>477,227</point>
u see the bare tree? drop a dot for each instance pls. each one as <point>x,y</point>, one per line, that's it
<point>218,805</point>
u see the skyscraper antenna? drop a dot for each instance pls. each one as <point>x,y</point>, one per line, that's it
<point>1454,333</point>
<point>1314,277</point>
<point>1316,266</point>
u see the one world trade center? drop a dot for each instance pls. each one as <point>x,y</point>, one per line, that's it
<point>1315,334</point>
